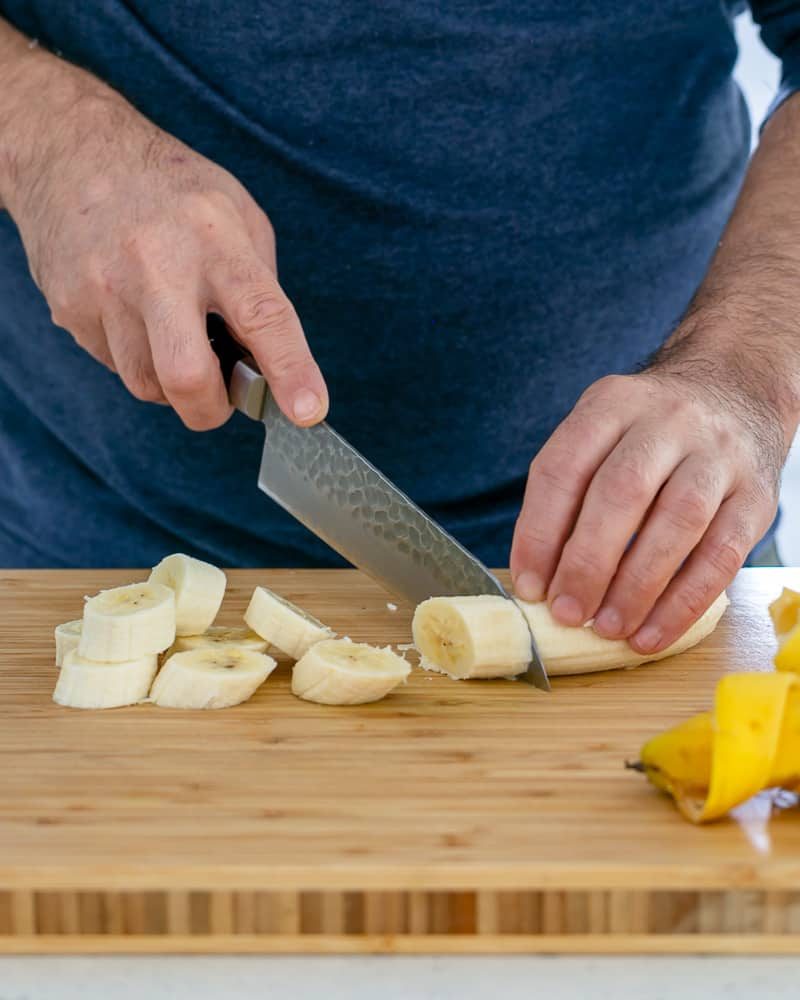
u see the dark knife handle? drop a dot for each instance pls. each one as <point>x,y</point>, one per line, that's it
<point>246,386</point>
<point>227,349</point>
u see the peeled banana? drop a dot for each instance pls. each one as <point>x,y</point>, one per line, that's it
<point>714,762</point>
<point>284,625</point>
<point>199,589</point>
<point>210,677</point>
<point>220,635</point>
<point>338,672</point>
<point>67,636</point>
<point>86,683</point>
<point>581,650</point>
<point>486,636</point>
<point>127,623</point>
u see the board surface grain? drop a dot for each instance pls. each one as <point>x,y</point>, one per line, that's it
<point>449,813</point>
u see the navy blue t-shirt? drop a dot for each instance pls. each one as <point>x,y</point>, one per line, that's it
<point>480,209</point>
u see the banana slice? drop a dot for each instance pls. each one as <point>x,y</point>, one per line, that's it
<point>338,672</point>
<point>86,683</point>
<point>127,623</point>
<point>67,636</point>
<point>218,636</point>
<point>485,636</point>
<point>199,588</point>
<point>477,636</point>
<point>210,677</point>
<point>283,624</point>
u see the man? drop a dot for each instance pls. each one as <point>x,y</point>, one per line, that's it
<point>485,216</point>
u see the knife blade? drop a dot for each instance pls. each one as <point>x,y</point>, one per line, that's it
<point>319,478</point>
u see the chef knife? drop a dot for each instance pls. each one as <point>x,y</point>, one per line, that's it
<point>314,474</point>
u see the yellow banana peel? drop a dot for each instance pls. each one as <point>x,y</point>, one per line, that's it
<point>751,741</point>
<point>785,614</point>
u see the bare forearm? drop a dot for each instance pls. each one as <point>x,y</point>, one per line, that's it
<point>38,91</point>
<point>133,238</point>
<point>684,457</point>
<point>744,325</point>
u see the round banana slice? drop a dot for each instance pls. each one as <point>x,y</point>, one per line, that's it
<point>67,636</point>
<point>86,683</point>
<point>284,625</point>
<point>475,636</point>
<point>199,589</point>
<point>338,672</point>
<point>221,635</point>
<point>127,623</point>
<point>210,677</point>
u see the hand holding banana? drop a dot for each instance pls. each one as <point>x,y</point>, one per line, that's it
<point>685,465</point>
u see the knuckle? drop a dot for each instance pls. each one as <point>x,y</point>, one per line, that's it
<point>695,596</point>
<point>264,222</point>
<point>61,313</point>
<point>552,471</point>
<point>146,392</point>
<point>623,487</point>
<point>604,387</point>
<point>95,274</point>
<point>62,300</point>
<point>532,539</point>
<point>160,313</point>
<point>644,577</point>
<point>690,511</point>
<point>763,495</point>
<point>263,312</point>
<point>289,358</point>
<point>208,207</point>
<point>726,555</point>
<point>143,241</point>
<point>256,218</point>
<point>237,269</point>
<point>185,377</point>
<point>205,420</point>
<point>142,383</point>
<point>679,408</point>
<point>583,560</point>
<point>725,440</point>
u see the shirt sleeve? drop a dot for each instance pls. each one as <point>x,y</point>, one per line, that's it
<point>779,21</point>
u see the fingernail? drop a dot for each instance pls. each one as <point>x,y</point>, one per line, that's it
<point>608,622</point>
<point>529,587</point>
<point>567,610</point>
<point>647,638</point>
<point>307,404</point>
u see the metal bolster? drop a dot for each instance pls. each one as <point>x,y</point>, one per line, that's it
<point>248,389</point>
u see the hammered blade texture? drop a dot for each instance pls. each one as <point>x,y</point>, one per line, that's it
<point>336,493</point>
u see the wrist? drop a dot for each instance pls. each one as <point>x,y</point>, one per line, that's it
<point>42,99</point>
<point>742,351</point>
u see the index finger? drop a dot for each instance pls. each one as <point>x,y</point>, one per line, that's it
<point>557,482</point>
<point>247,295</point>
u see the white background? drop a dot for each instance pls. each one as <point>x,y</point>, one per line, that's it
<point>758,73</point>
<point>172,978</point>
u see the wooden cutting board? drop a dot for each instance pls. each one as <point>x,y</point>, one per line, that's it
<point>479,816</point>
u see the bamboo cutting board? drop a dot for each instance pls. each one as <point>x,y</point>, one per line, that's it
<point>479,816</point>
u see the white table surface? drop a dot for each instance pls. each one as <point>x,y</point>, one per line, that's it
<point>401,978</point>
